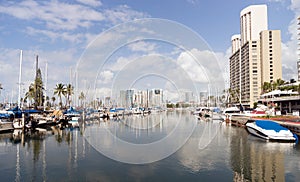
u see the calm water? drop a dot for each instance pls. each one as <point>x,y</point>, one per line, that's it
<point>214,151</point>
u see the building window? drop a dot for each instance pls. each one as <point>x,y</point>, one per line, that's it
<point>254,45</point>
<point>271,66</point>
<point>270,47</point>
<point>270,43</point>
<point>270,50</point>
<point>271,62</point>
<point>254,71</point>
<point>271,58</point>
<point>271,69</point>
<point>271,55</point>
<point>271,73</point>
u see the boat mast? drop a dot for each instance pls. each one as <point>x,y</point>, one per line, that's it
<point>36,75</point>
<point>20,79</point>
<point>46,80</point>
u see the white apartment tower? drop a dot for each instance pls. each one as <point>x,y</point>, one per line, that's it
<point>256,56</point>
<point>253,20</point>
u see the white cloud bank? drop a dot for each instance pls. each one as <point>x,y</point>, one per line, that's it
<point>289,48</point>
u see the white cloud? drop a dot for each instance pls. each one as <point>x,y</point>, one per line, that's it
<point>54,35</point>
<point>142,46</point>
<point>289,48</point>
<point>193,2</point>
<point>201,66</point>
<point>106,76</point>
<point>56,15</point>
<point>91,2</point>
<point>123,13</point>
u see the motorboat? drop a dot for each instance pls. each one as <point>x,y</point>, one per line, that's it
<point>6,125</point>
<point>228,112</point>
<point>202,112</point>
<point>270,130</point>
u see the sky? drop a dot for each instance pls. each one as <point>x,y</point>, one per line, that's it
<point>62,32</point>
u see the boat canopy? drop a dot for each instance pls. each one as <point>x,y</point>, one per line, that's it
<point>269,125</point>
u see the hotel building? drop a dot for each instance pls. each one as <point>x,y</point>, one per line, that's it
<point>256,56</point>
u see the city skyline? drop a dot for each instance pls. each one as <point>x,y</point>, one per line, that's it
<point>59,38</point>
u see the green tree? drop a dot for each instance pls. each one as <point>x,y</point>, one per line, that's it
<point>53,100</point>
<point>38,90</point>
<point>81,98</point>
<point>59,91</point>
<point>30,94</point>
<point>267,87</point>
<point>47,101</point>
<point>0,88</point>
<point>69,93</point>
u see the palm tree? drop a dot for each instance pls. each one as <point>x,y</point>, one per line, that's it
<point>0,88</point>
<point>53,100</point>
<point>81,97</point>
<point>69,93</point>
<point>47,101</point>
<point>266,87</point>
<point>30,94</point>
<point>59,91</point>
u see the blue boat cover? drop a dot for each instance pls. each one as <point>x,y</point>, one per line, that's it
<point>269,125</point>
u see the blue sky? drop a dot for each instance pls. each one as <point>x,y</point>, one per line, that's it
<point>59,31</point>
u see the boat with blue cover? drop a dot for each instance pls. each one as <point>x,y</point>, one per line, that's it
<point>270,130</point>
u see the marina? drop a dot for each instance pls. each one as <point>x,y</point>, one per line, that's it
<point>214,152</point>
<point>96,90</point>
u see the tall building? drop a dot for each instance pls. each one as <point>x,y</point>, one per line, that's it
<point>270,55</point>
<point>156,98</point>
<point>298,63</point>
<point>253,20</point>
<point>256,56</point>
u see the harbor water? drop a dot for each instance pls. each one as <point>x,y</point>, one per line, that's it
<point>204,150</point>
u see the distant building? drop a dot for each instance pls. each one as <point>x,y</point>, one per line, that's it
<point>140,98</point>
<point>155,98</point>
<point>256,56</point>
<point>186,96</point>
<point>126,98</point>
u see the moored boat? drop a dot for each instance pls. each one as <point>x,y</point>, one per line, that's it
<point>270,130</point>
<point>6,125</point>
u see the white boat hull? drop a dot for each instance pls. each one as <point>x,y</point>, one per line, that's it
<point>282,135</point>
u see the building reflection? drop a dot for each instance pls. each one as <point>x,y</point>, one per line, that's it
<point>253,159</point>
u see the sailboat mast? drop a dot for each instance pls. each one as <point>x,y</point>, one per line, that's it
<point>36,75</point>
<point>46,80</point>
<point>20,79</point>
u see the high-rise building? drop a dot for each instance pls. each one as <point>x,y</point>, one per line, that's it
<point>270,55</point>
<point>155,97</point>
<point>253,20</point>
<point>256,56</point>
<point>235,43</point>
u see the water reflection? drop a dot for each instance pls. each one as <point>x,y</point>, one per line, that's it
<point>213,152</point>
<point>254,159</point>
